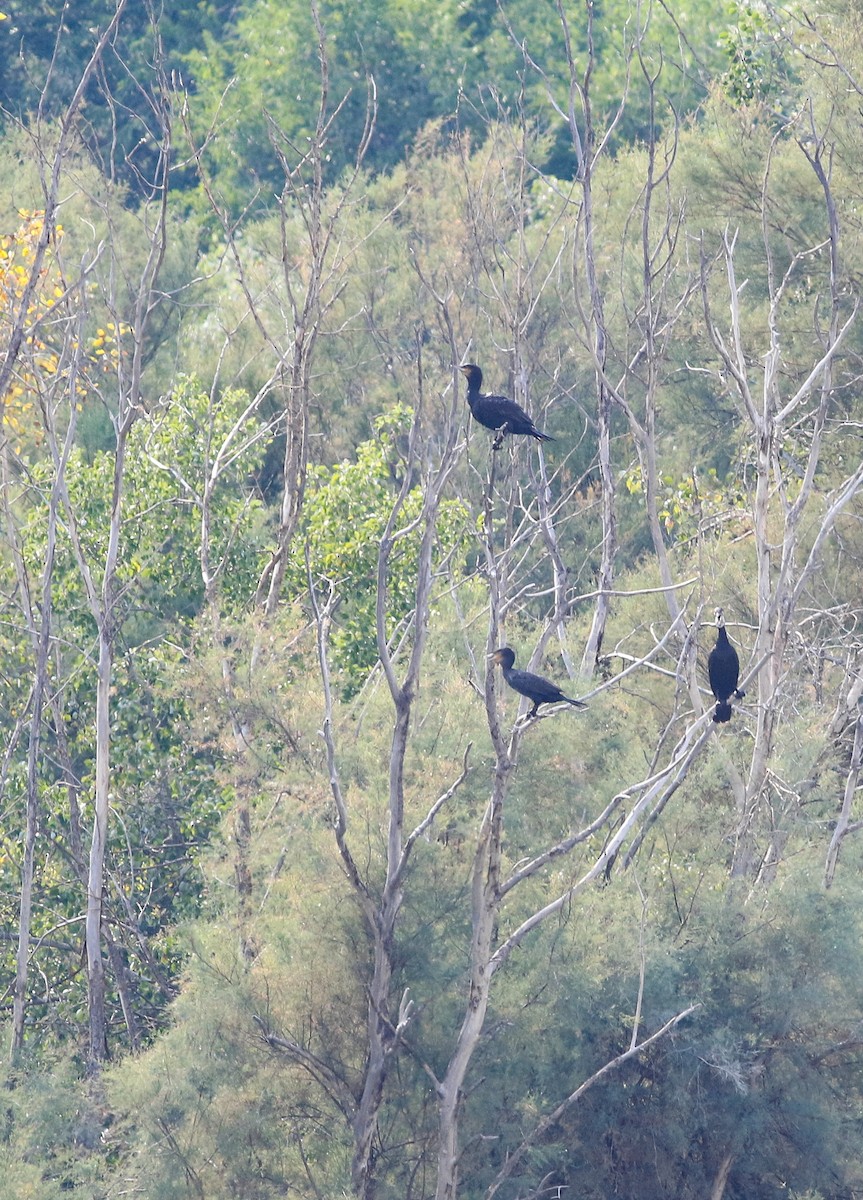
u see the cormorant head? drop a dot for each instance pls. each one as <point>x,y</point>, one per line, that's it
<point>473,375</point>
<point>504,657</point>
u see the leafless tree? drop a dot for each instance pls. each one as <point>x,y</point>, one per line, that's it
<point>785,562</point>
<point>589,145</point>
<point>25,328</point>
<point>37,622</point>
<point>290,317</point>
<point>389,1016</point>
<point>491,946</point>
<point>59,412</point>
<point>515,273</point>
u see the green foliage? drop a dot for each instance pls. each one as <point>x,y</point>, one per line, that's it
<point>741,1076</point>
<point>758,72</point>
<point>51,1142</point>
<point>171,457</point>
<point>685,506</point>
<point>463,59</point>
<point>220,1107</point>
<point>346,512</point>
<point>159,573</point>
<point>217,713</point>
<point>166,799</point>
<point>44,49</point>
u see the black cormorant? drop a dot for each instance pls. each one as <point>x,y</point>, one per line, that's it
<point>496,412</point>
<point>537,689</point>
<point>723,669</point>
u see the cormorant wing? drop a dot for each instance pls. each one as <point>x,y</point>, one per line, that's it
<point>535,687</point>
<point>494,411</point>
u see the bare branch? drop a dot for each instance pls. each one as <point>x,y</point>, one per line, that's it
<point>553,1117</point>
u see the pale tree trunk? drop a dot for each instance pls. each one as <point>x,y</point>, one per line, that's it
<point>98,842</point>
<point>605,577</point>
<point>106,618</point>
<point>485,902</point>
<point>25,906</point>
<point>25,909</point>
<point>18,339</point>
<point>843,823</point>
<point>40,637</point>
<point>485,895</point>
<point>717,1190</point>
<point>100,579</point>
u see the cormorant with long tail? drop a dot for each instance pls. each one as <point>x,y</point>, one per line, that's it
<point>497,412</point>
<point>723,671</point>
<point>537,689</point>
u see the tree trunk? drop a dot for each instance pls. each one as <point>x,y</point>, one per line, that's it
<point>605,577</point>
<point>40,687</point>
<point>380,1043</point>
<point>19,995</point>
<point>717,1191</point>
<point>95,878</point>
<point>486,903</point>
<point>844,819</point>
<point>295,460</point>
<point>485,899</point>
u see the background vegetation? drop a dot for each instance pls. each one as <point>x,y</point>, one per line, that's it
<point>295,900</point>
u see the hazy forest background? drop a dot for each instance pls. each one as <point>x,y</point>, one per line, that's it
<point>296,901</point>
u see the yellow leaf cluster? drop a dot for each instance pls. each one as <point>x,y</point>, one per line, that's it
<point>39,361</point>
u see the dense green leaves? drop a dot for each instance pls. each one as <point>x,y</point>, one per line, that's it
<point>240,933</point>
<point>346,513</point>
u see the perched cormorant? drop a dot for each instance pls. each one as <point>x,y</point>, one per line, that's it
<point>537,689</point>
<point>723,669</point>
<point>496,412</point>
